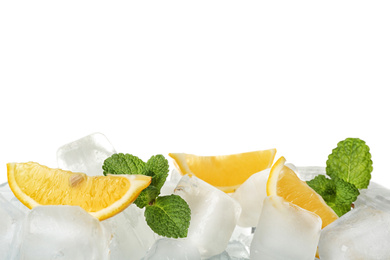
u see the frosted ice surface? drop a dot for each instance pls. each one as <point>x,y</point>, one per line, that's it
<point>131,236</point>
<point>362,233</point>
<point>237,250</point>
<point>222,256</point>
<point>85,155</point>
<point>172,249</point>
<point>63,232</point>
<point>9,195</point>
<point>238,246</point>
<point>214,215</point>
<point>11,220</point>
<point>307,173</point>
<point>6,191</point>
<point>251,195</point>
<point>170,184</point>
<point>285,231</point>
<point>243,235</point>
<point>375,196</point>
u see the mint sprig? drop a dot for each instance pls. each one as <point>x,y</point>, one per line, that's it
<point>167,216</point>
<point>349,167</point>
<point>351,161</point>
<point>337,193</point>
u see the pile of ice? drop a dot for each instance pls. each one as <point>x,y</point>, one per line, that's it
<point>245,225</point>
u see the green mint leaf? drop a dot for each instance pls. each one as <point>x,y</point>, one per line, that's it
<point>346,193</point>
<point>157,167</point>
<point>123,164</point>
<point>341,209</point>
<point>337,193</point>
<point>147,196</point>
<point>351,161</point>
<point>169,216</point>
<point>129,164</point>
<point>324,187</point>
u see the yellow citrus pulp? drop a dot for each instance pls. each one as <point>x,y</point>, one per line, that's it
<point>226,172</point>
<point>283,182</point>
<point>102,196</point>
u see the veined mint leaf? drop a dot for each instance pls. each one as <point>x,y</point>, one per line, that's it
<point>325,187</point>
<point>351,161</point>
<point>337,193</point>
<point>346,193</point>
<point>157,167</point>
<point>123,164</point>
<point>169,216</point>
<point>146,196</point>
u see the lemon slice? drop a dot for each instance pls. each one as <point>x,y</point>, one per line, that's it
<point>102,196</point>
<point>283,182</point>
<point>226,172</point>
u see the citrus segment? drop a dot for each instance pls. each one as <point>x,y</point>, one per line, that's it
<point>283,182</point>
<point>226,172</point>
<point>102,196</point>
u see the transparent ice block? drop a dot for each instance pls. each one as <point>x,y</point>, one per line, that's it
<point>375,196</point>
<point>307,173</point>
<point>11,219</point>
<point>85,155</point>
<point>5,190</point>
<point>362,233</point>
<point>131,236</point>
<point>214,215</point>
<point>172,249</point>
<point>285,231</point>
<point>242,236</point>
<point>171,182</point>
<point>251,195</point>
<point>63,232</point>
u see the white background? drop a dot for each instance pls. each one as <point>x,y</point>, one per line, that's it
<point>201,77</point>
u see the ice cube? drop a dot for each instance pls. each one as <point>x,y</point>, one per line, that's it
<point>11,220</point>
<point>85,155</point>
<point>237,250</point>
<point>63,232</point>
<point>243,235</point>
<point>375,196</point>
<point>214,215</point>
<point>6,191</point>
<point>131,236</point>
<point>238,246</point>
<point>222,256</point>
<point>362,233</point>
<point>307,173</point>
<point>9,195</point>
<point>285,231</point>
<point>170,183</point>
<point>172,249</point>
<point>251,195</point>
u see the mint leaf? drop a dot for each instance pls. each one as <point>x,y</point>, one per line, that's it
<point>157,167</point>
<point>337,193</point>
<point>169,216</point>
<point>123,164</point>
<point>341,209</point>
<point>346,193</point>
<point>325,187</point>
<point>351,161</point>
<point>147,196</point>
